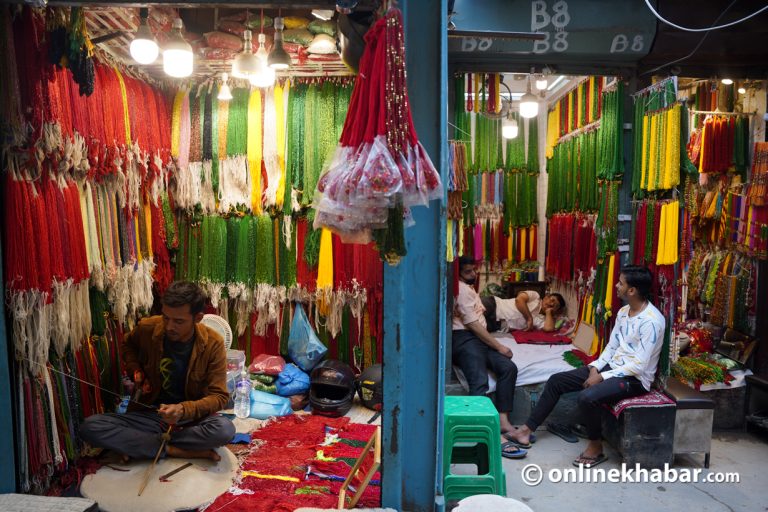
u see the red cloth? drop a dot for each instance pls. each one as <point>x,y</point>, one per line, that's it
<point>540,338</point>
<point>652,399</point>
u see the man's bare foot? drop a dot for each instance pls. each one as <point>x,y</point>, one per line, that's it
<point>504,423</point>
<point>520,434</point>
<point>173,451</point>
<point>593,449</point>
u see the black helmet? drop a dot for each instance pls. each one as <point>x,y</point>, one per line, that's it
<point>370,387</point>
<point>331,388</point>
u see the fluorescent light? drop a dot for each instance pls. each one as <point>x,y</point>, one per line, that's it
<point>556,81</point>
<point>323,14</point>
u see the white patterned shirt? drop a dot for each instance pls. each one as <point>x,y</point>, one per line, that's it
<point>634,346</point>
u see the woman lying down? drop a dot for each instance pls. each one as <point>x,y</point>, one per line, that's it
<point>526,312</point>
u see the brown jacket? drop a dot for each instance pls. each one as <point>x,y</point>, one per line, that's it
<point>206,386</point>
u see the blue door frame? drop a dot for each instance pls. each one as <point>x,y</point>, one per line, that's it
<point>415,290</point>
<point>7,450</point>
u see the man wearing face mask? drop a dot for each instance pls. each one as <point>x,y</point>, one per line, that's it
<point>626,367</point>
<point>475,351</point>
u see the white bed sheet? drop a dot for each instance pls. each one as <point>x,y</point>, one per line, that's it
<point>535,363</point>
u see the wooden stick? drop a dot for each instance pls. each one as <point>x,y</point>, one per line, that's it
<point>371,471</point>
<point>148,472</point>
<point>168,475</point>
<point>375,442</point>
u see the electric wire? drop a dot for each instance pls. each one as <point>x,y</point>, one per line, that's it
<point>695,49</point>
<point>732,23</point>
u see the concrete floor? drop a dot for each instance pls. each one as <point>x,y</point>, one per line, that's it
<point>743,453</point>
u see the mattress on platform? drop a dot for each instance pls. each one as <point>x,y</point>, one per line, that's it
<point>535,363</point>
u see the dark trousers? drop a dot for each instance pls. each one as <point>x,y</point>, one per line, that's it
<point>590,400</point>
<point>474,358</point>
<point>138,434</point>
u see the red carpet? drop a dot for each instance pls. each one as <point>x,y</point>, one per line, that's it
<point>290,447</point>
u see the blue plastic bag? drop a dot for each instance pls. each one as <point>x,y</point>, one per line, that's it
<point>304,347</point>
<point>292,381</point>
<point>265,405</point>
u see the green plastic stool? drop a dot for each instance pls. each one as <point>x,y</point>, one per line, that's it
<point>472,436</point>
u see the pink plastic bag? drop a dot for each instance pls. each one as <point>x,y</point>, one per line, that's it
<point>267,364</point>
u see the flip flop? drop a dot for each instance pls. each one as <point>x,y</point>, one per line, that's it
<point>518,453</point>
<point>563,432</point>
<point>531,440</point>
<point>594,460</point>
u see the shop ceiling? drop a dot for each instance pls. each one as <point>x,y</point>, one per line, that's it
<point>608,37</point>
<point>112,25</point>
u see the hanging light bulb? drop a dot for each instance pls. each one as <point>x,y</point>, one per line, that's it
<point>225,94</point>
<point>727,81</point>
<point>144,49</point>
<point>265,77</point>
<point>742,90</point>
<point>278,57</point>
<point>177,53</point>
<point>246,64</point>
<point>509,128</point>
<point>541,82</point>
<point>529,105</point>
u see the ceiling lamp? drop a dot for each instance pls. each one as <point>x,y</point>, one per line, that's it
<point>509,128</point>
<point>177,53</point>
<point>541,82</point>
<point>265,77</point>
<point>727,81</point>
<point>742,90</point>
<point>529,105</point>
<point>225,94</point>
<point>246,64</point>
<point>144,48</point>
<point>278,57</point>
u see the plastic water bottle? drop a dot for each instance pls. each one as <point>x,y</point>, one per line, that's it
<point>243,396</point>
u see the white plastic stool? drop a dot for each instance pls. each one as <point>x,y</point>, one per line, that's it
<point>491,503</point>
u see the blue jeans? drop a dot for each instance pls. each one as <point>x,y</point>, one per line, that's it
<point>138,434</point>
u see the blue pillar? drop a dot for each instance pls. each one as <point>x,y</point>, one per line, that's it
<point>7,460</point>
<point>415,290</point>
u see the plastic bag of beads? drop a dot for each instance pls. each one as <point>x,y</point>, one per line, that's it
<point>380,179</point>
<point>427,177</point>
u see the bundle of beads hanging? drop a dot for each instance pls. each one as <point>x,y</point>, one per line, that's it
<point>379,169</point>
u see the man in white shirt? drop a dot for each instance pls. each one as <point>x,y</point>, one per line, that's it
<point>626,367</point>
<point>527,311</point>
<point>474,350</point>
